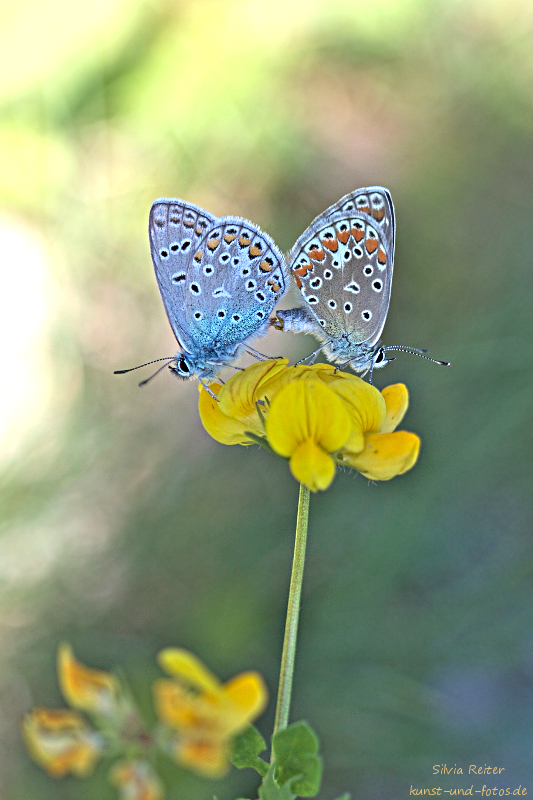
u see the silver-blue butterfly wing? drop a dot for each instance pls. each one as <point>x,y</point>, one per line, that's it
<point>175,228</point>
<point>219,278</point>
<point>343,266</point>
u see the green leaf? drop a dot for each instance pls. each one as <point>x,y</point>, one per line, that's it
<point>245,749</point>
<point>296,761</point>
<point>270,790</point>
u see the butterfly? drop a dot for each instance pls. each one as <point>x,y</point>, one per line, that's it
<point>343,265</point>
<point>219,278</point>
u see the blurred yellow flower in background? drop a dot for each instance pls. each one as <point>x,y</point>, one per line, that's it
<point>206,714</point>
<point>85,688</point>
<point>61,742</point>
<point>314,416</point>
<point>136,780</point>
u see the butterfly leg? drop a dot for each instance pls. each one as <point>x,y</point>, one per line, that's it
<point>208,390</point>
<point>313,355</point>
<point>257,354</point>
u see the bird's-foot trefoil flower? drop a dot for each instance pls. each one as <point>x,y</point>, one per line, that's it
<point>135,779</point>
<point>203,715</point>
<point>315,417</point>
<point>61,742</point>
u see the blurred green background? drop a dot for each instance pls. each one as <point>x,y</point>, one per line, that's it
<point>125,528</point>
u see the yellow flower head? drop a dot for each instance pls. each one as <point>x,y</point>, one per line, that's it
<point>85,688</point>
<point>205,713</point>
<point>316,417</point>
<point>60,741</point>
<point>136,780</point>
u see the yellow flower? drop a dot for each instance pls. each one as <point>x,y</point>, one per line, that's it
<point>306,422</point>
<point>85,688</point>
<point>61,742</point>
<point>136,780</point>
<point>316,417</point>
<point>235,413</point>
<point>206,714</point>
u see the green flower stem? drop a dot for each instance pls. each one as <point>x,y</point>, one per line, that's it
<point>293,612</point>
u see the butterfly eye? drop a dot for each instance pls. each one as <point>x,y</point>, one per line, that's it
<point>183,366</point>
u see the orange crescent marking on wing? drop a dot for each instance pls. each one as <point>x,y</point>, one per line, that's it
<point>229,237</point>
<point>343,236</point>
<point>297,280</point>
<point>357,234</point>
<point>331,244</point>
<point>303,269</point>
<point>378,213</point>
<point>382,256</point>
<point>371,245</point>
<point>316,254</point>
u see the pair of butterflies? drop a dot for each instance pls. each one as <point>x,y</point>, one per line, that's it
<point>221,277</point>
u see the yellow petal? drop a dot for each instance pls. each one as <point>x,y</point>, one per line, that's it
<point>83,687</point>
<point>222,428</point>
<point>61,742</point>
<point>187,669</point>
<point>239,395</point>
<point>186,712</point>
<point>385,455</point>
<point>396,401</point>
<point>248,695</point>
<point>312,466</point>
<point>205,756</point>
<point>307,410</point>
<point>136,780</point>
<point>271,387</point>
<point>366,404</point>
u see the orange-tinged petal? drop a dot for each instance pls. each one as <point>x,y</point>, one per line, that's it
<point>186,668</point>
<point>136,780</point>
<point>307,410</point>
<point>83,687</point>
<point>247,694</point>
<point>61,742</point>
<point>312,466</point>
<point>396,401</point>
<point>385,455</point>
<point>207,757</point>
<point>184,711</point>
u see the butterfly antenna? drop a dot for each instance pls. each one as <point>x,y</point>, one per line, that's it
<point>146,380</point>
<point>123,371</point>
<point>415,351</point>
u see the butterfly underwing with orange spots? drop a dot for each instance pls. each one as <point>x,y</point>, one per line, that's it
<point>342,265</point>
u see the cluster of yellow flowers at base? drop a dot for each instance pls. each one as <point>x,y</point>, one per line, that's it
<point>314,416</point>
<point>205,714</point>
